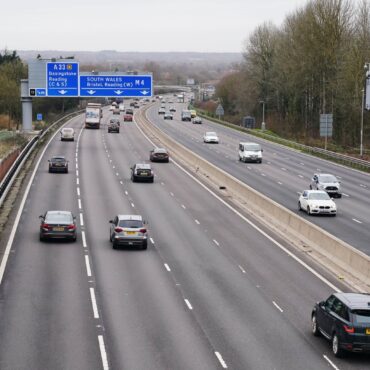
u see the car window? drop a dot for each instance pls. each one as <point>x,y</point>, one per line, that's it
<point>361,316</point>
<point>340,309</point>
<point>134,224</point>
<point>58,159</point>
<point>304,194</point>
<point>319,196</point>
<point>59,217</point>
<point>327,178</point>
<point>329,302</point>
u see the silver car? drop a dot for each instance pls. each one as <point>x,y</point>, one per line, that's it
<point>326,182</point>
<point>129,231</point>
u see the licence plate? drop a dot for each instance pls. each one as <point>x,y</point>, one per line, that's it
<point>130,232</point>
<point>368,331</point>
<point>144,173</point>
<point>58,228</point>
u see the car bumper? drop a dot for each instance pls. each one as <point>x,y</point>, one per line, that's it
<point>71,138</point>
<point>57,235</point>
<point>58,169</point>
<point>129,242</point>
<point>144,178</point>
<point>252,159</point>
<point>324,211</point>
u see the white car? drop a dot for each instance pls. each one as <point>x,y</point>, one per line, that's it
<point>121,107</point>
<point>67,133</point>
<point>316,202</point>
<point>210,137</point>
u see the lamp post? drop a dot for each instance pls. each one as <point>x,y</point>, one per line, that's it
<point>263,125</point>
<point>362,123</point>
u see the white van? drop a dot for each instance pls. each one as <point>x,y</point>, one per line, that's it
<point>250,152</point>
<point>67,133</point>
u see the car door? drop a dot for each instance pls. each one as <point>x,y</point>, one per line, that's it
<point>113,226</point>
<point>303,200</point>
<point>324,317</point>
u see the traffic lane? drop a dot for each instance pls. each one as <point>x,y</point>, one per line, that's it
<point>202,266</point>
<point>277,276</point>
<point>46,317</point>
<point>283,189</point>
<point>146,321</point>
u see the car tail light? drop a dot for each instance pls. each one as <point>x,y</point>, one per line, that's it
<point>143,231</point>
<point>118,229</point>
<point>46,226</point>
<point>349,329</point>
<point>71,227</point>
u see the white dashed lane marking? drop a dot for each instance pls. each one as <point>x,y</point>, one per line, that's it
<point>93,302</point>
<point>277,306</point>
<point>88,268</point>
<point>358,221</point>
<point>167,267</point>
<point>222,362</point>
<point>188,304</point>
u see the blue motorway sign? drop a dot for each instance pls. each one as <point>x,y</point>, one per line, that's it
<point>62,79</point>
<point>39,116</point>
<point>116,86</point>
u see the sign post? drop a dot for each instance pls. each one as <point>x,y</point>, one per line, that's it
<point>220,111</point>
<point>326,127</point>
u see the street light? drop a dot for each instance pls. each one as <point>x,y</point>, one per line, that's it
<point>366,67</point>
<point>263,125</point>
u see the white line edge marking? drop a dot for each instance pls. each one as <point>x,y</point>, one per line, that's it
<point>242,270</point>
<point>216,242</point>
<point>103,353</point>
<point>88,268</point>
<point>188,304</point>
<point>167,267</point>
<point>151,239</point>
<point>330,362</point>
<point>83,239</point>
<point>222,362</point>
<point>79,204</point>
<point>81,219</point>
<point>277,306</point>
<point>20,210</point>
<point>297,259</point>
<point>93,302</point>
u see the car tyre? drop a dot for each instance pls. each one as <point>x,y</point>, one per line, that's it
<point>308,211</point>
<point>66,170</point>
<point>315,327</point>
<point>335,346</point>
<point>339,196</point>
<point>145,245</point>
<point>260,161</point>
<point>114,245</point>
<point>42,239</point>
<point>299,206</point>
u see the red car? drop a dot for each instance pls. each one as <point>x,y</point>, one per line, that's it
<point>127,118</point>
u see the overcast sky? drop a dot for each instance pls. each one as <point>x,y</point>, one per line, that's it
<point>136,25</point>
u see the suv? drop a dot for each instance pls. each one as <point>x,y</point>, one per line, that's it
<point>128,230</point>
<point>113,127</point>
<point>58,164</point>
<point>142,172</point>
<point>326,182</point>
<point>344,319</point>
<point>186,115</point>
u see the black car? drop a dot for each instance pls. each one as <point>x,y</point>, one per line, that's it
<point>344,319</point>
<point>142,172</point>
<point>159,155</point>
<point>58,164</point>
<point>113,127</point>
<point>58,225</point>
<point>130,111</point>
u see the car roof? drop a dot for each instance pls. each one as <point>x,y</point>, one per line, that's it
<point>324,174</point>
<point>59,212</point>
<point>315,191</point>
<point>58,157</point>
<point>130,217</point>
<point>142,165</point>
<point>67,128</point>
<point>355,300</point>
<point>163,150</point>
<point>248,143</point>
<point>210,133</point>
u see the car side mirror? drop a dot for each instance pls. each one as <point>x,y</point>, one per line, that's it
<point>110,221</point>
<point>41,217</point>
<point>261,150</point>
<point>322,304</point>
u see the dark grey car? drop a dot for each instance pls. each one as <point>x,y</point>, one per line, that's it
<point>142,172</point>
<point>58,164</point>
<point>58,225</point>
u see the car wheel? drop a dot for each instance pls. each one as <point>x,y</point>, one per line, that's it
<point>151,180</point>
<point>66,170</point>
<point>315,327</point>
<point>50,170</point>
<point>42,238</point>
<point>133,178</point>
<point>339,195</point>
<point>310,187</point>
<point>145,245</point>
<point>74,239</point>
<point>335,346</point>
<point>299,206</point>
<point>260,161</point>
<point>308,211</point>
<point>114,245</point>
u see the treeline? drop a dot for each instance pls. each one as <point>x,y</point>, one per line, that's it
<point>312,64</point>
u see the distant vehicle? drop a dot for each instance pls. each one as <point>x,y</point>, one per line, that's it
<point>130,111</point>
<point>180,98</point>
<point>343,319</point>
<point>116,111</point>
<point>172,109</point>
<point>250,152</point>
<point>210,137</point>
<point>129,231</point>
<point>67,133</point>
<point>186,115</point>
<point>161,111</point>
<point>159,155</point>
<point>58,225</point>
<point>142,172</point>
<point>96,105</point>
<point>163,106</point>
<point>168,115</point>
<point>316,202</point>
<point>122,107</point>
<point>136,105</point>
<point>193,113</point>
<point>197,120</point>
<point>92,117</point>
<point>115,120</point>
<point>58,164</point>
<point>132,104</point>
<point>326,182</point>
<point>112,107</point>
<point>113,127</point>
<point>127,117</point>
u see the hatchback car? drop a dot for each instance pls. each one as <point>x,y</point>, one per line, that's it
<point>58,164</point>
<point>159,155</point>
<point>161,111</point>
<point>67,133</point>
<point>197,120</point>
<point>142,172</point>
<point>326,182</point>
<point>115,120</point>
<point>129,111</point>
<point>127,118</point>
<point>344,319</point>
<point>316,202</point>
<point>168,115</point>
<point>58,225</point>
<point>129,231</point>
<point>113,127</point>
<point>210,137</point>
<point>172,109</point>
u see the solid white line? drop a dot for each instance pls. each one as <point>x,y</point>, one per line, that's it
<point>222,362</point>
<point>167,267</point>
<point>188,304</point>
<point>331,362</point>
<point>132,205</point>
<point>78,191</point>
<point>83,239</point>
<point>81,219</point>
<point>152,241</point>
<point>103,353</point>
<point>197,222</point>
<point>79,204</point>
<point>216,242</point>
<point>359,222</point>
<point>93,302</point>
<point>277,306</point>
<point>88,268</point>
<point>183,206</point>
<point>242,270</point>
<point>78,181</point>
<point>272,240</point>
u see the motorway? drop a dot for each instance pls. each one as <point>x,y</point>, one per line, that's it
<point>282,176</point>
<point>214,290</point>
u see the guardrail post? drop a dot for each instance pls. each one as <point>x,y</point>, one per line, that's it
<point>26,107</point>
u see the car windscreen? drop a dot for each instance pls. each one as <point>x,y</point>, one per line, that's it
<point>58,159</point>
<point>211,134</point>
<point>68,130</point>
<point>132,224</point>
<point>318,196</point>
<point>60,218</point>
<point>327,178</point>
<point>252,147</point>
<point>361,316</point>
